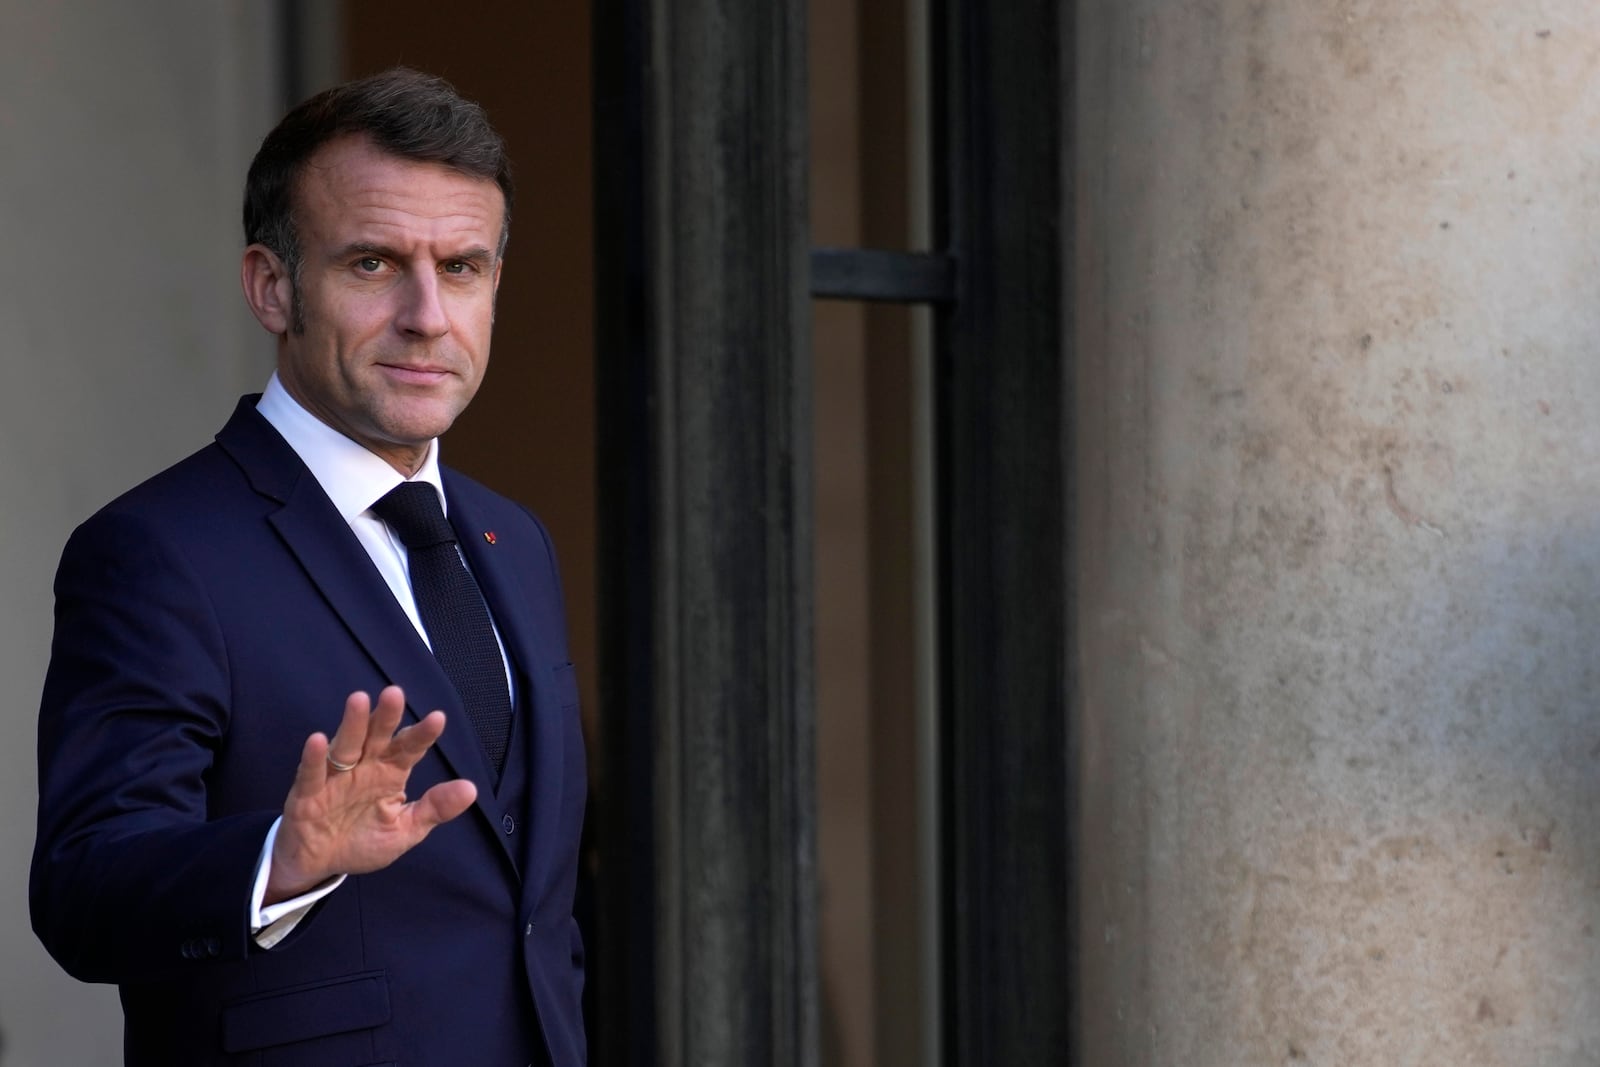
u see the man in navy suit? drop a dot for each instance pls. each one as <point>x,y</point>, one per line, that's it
<point>264,811</point>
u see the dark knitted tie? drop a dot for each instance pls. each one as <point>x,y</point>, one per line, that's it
<point>453,611</point>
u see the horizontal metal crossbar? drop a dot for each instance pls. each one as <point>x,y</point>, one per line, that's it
<point>877,275</point>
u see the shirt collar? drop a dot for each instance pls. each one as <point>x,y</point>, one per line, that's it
<point>353,477</point>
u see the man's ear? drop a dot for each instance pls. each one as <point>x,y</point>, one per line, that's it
<point>268,288</point>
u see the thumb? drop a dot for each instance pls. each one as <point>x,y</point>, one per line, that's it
<point>441,803</point>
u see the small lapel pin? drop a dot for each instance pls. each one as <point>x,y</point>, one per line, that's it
<point>488,535</point>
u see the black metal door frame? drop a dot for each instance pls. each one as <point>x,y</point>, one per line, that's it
<point>706,951</point>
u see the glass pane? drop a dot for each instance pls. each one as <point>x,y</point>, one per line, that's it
<point>876,826</point>
<point>875,731</point>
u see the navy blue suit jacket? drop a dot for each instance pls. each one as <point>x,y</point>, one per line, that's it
<point>207,622</point>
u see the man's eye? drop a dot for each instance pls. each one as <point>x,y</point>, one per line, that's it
<point>458,267</point>
<point>369,264</point>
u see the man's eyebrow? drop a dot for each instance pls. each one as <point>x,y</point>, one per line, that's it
<point>474,255</point>
<point>367,248</point>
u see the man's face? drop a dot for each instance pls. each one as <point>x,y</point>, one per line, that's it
<point>398,278</point>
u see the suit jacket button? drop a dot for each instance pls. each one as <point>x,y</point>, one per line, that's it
<point>528,931</point>
<point>213,947</point>
<point>509,823</point>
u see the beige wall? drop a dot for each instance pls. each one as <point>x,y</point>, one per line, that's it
<point>1338,315</point>
<point>124,133</point>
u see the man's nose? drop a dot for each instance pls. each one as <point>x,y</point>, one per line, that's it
<point>421,311</point>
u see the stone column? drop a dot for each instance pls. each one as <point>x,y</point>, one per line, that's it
<point>1339,460</point>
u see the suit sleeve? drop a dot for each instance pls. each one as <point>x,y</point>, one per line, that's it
<point>130,878</point>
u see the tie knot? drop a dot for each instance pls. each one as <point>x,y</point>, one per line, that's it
<point>412,510</point>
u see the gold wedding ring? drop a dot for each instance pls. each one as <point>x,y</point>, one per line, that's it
<point>336,765</point>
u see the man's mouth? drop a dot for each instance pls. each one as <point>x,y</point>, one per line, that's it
<point>409,374</point>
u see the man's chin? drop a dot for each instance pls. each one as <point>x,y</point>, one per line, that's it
<point>419,422</point>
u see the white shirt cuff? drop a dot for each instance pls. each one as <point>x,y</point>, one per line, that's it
<point>273,923</point>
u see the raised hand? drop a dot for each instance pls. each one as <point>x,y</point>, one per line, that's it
<point>347,812</point>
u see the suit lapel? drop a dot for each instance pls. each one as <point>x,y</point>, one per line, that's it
<point>319,538</point>
<point>524,631</point>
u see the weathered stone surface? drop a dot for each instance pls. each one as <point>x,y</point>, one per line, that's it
<point>1338,315</point>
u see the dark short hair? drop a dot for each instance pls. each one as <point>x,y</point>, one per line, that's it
<point>404,112</point>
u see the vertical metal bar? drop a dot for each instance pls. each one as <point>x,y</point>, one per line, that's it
<point>623,954</point>
<point>714,328</point>
<point>735,771</point>
<point>1005,553</point>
